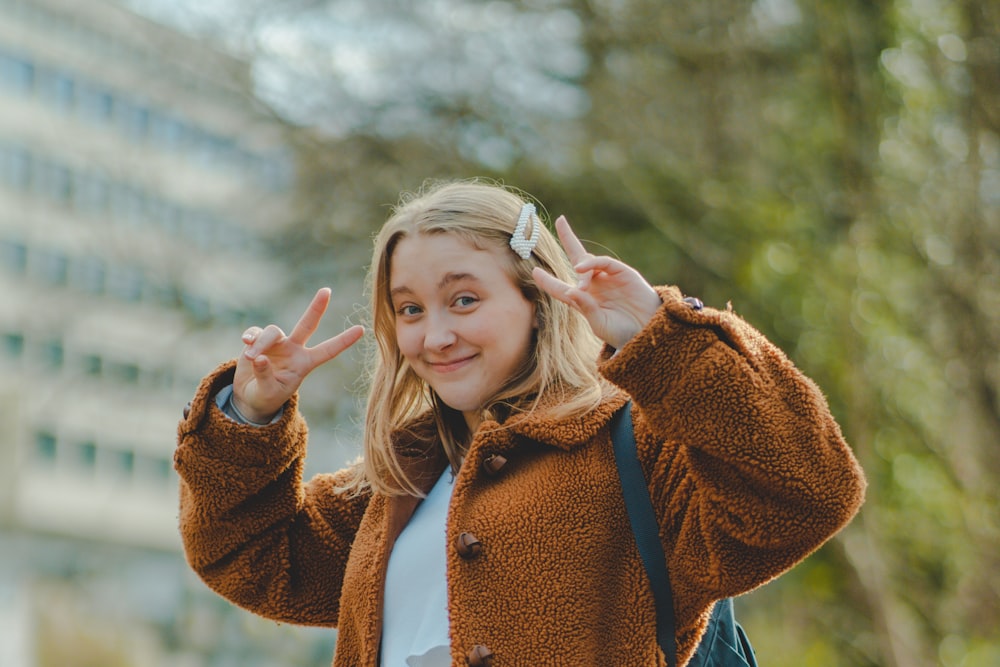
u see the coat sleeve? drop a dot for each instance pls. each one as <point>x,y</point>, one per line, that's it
<point>747,467</point>
<point>251,529</point>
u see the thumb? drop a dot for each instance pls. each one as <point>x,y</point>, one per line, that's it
<point>263,372</point>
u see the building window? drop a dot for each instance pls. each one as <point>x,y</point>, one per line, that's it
<point>125,282</point>
<point>13,344</point>
<point>85,454</point>
<point>94,104</point>
<point>274,172</point>
<point>133,120</point>
<point>162,378</point>
<point>53,353</point>
<point>234,316</point>
<point>92,364</point>
<point>51,267</point>
<point>52,181</point>
<point>199,228</point>
<point>15,167</point>
<point>163,468</point>
<point>90,193</point>
<point>14,256</point>
<point>196,306</point>
<point>124,372</point>
<point>46,447</point>
<point>162,213</point>
<point>16,73</point>
<point>222,150</point>
<point>171,220</point>
<point>165,131</point>
<point>127,203</point>
<point>87,274</point>
<point>162,293</point>
<point>57,89</point>
<point>155,468</point>
<point>124,463</point>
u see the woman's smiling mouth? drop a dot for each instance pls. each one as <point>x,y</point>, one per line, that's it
<point>450,365</point>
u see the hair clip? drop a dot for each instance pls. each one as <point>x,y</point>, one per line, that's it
<point>518,241</point>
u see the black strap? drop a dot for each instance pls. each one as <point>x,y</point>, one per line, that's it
<point>645,528</point>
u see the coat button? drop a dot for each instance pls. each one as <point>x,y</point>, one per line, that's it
<point>480,656</point>
<point>187,410</point>
<point>493,463</point>
<point>694,302</point>
<point>468,546</point>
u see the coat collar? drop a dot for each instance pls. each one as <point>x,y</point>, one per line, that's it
<point>570,432</point>
<point>422,457</point>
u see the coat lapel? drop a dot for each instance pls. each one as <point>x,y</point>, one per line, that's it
<point>571,432</point>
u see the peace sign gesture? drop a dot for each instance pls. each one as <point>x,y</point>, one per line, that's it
<point>273,365</point>
<point>614,298</point>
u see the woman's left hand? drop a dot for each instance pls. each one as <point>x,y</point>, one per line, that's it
<point>614,298</point>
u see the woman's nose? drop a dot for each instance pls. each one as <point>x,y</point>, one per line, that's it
<point>439,335</point>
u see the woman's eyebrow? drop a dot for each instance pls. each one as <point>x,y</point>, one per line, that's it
<point>402,289</point>
<point>446,280</point>
<point>456,277</point>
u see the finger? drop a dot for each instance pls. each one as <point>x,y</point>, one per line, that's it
<point>570,243</point>
<point>267,384</point>
<point>600,263</point>
<point>308,323</point>
<point>262,371</point>
<point>553,286</point>
<point>332,347</point>
<point>250,335</point>
<point>270,335</point>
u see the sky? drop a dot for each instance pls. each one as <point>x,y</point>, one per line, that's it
<point>389,66</point>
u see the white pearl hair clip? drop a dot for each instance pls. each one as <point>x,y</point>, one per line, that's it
<point>518,241</point>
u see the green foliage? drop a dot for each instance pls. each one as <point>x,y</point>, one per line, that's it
<point>832,170</point>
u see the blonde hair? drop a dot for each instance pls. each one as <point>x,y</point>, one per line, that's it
<point>562,363</point>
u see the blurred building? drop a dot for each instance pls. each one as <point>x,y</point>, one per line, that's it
<point>138,186</point>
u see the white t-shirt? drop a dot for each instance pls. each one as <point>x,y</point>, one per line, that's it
<point>415,617</point>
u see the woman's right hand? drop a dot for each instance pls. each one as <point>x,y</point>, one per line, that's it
<point>273,365</point>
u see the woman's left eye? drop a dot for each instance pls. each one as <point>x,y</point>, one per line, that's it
<point>465,301</point>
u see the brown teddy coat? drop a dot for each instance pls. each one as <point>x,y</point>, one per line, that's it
<point>747,468</point>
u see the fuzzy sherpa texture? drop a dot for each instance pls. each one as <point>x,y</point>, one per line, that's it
<point>746,466</point>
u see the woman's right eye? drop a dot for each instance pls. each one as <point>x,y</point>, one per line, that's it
<point>408,310</point>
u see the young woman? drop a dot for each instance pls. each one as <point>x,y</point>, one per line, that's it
<point>484,524</point>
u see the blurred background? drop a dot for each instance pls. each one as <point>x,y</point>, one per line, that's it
<point>171,172</point>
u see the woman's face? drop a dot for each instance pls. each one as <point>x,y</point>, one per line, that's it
<point>461,322</point>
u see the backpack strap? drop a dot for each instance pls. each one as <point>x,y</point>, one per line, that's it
<point>645,528</point>
<point>725,644</point>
